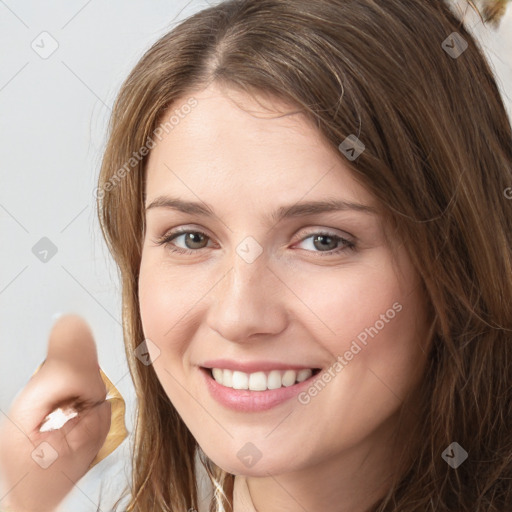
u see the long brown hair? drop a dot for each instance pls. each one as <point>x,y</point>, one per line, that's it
<point>438,158</point>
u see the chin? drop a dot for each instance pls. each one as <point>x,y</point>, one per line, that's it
<point>261,467</point>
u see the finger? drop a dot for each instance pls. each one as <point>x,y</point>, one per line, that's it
<point>69,377</point>
<point>91,431</point>
<point>71,341</point>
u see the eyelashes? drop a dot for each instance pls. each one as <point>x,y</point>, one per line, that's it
<point>346,245</point>
<point>168,239</point>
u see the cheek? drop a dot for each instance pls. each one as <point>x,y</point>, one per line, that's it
<point>336,305</point>
<point>373,325</point>
<point>369,315</point>
<point>163,304</point>
<point>166,296</point>
<point>339,304</point>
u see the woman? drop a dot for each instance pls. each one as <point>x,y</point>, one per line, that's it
<point>307,203</point>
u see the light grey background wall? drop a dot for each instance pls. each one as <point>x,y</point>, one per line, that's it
<point>61,65</point>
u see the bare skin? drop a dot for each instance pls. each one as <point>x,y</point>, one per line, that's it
<point>38,469</point>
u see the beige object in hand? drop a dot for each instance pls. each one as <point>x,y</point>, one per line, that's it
<point>117,433</point>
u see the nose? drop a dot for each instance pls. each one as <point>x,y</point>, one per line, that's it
<point>248,301</point>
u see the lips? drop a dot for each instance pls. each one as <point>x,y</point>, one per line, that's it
<point>247,400</point>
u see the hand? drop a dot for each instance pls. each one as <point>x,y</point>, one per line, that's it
<point>38,469</point>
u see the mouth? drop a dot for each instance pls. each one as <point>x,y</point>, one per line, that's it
<point>259,391</point>
<point>261,380</point>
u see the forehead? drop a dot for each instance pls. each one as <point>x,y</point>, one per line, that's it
<point>256,148</point>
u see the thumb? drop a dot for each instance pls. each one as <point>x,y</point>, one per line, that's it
<point>71,342</point>
<point>69,374</point>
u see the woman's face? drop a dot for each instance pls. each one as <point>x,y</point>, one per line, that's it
<point>257,282</point>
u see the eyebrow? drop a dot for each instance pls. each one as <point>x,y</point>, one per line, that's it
<point>283,212</point>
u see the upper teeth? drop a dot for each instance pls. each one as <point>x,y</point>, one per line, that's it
<point>260,381</point>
